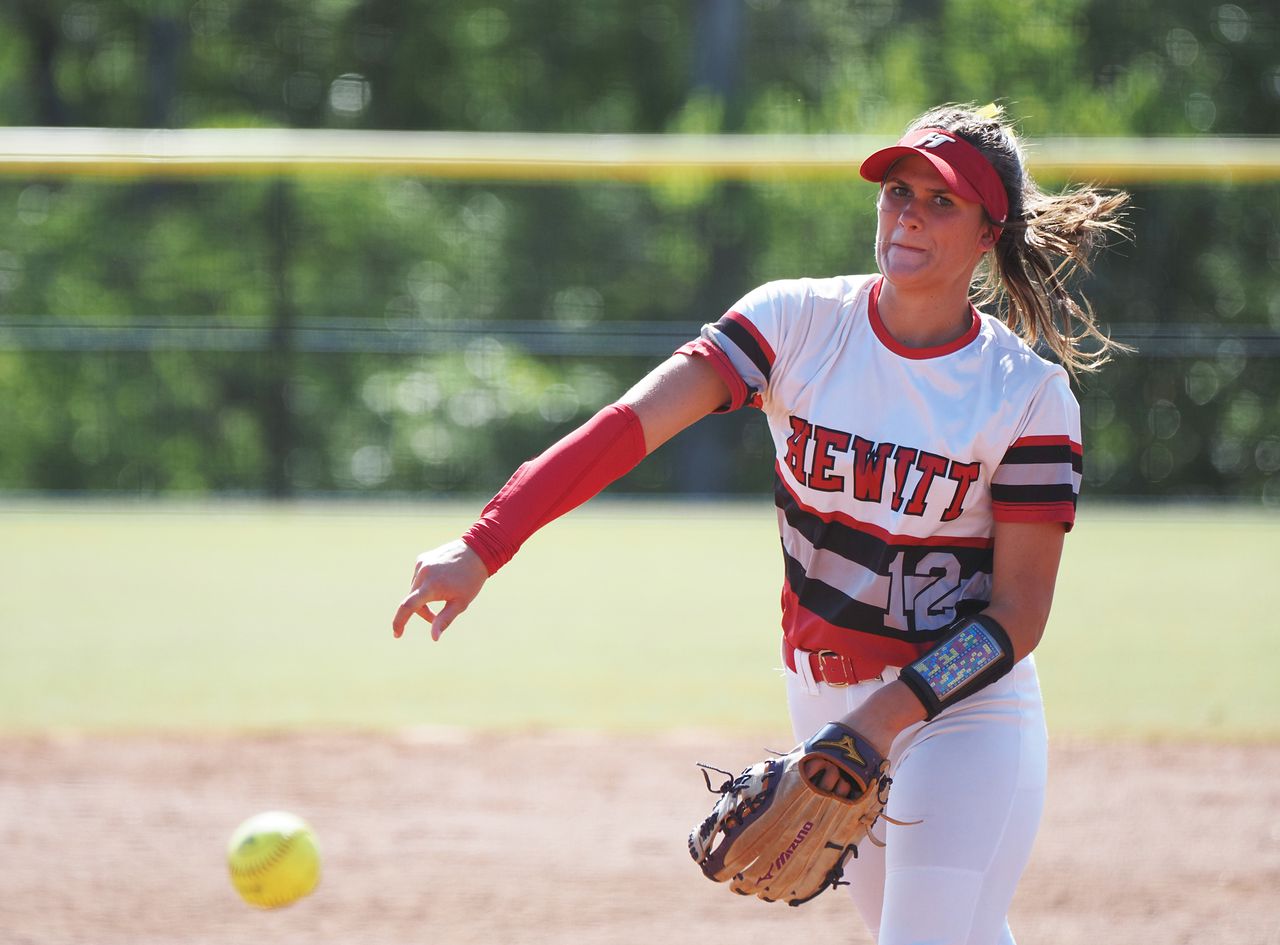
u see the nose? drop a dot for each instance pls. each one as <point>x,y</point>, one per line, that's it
<point>909,215</point>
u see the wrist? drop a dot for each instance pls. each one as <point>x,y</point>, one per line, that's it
<point>464,554</point>
<point>973,655</point>
<point>484,545</point>
<point>885,714</point>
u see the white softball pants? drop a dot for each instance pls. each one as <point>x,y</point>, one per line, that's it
<point>975,779</point>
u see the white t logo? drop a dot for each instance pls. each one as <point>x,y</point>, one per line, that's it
<point>933,139</point>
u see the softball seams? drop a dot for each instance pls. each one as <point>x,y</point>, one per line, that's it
<point>269,861</point>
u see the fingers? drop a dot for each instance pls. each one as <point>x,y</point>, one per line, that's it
<point>417,603</point>
<point>825,779</point>
<point>408,607</point>
<point>829,779</point>
<point>441,621</point>
<point>451,575</point>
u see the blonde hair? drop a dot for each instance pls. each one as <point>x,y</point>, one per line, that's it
<point>1047,240</point>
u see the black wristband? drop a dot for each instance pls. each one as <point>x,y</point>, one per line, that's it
<point>975,653</point>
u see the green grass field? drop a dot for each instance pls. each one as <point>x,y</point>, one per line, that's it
<point>622,617</point>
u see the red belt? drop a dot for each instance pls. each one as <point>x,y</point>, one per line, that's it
<point>834,669</point>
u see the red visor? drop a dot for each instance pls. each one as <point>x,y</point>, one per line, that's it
<point>968,174</point>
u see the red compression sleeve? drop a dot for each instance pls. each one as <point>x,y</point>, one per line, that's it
<point>605,448</point>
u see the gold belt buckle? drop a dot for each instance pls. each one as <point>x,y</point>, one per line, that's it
<point>835,685</point>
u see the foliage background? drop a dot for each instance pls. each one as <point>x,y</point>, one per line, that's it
<point>130,411</point>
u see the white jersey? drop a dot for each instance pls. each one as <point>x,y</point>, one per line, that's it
<point>893,463</point>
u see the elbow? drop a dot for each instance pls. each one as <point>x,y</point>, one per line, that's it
<point>1023,621</point>
<point>1032,635</point>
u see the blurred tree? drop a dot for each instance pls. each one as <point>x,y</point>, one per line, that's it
<point>266,415</point>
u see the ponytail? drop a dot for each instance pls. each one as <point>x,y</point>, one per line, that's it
<point>1047,241</point>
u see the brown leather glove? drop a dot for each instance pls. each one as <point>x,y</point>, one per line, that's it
<point>783,829</point>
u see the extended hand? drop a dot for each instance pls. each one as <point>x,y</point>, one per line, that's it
<point>453,574</point>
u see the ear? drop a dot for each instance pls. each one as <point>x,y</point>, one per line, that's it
<point>989,236</point>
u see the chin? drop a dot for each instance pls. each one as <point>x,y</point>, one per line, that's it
<point>903,277</point>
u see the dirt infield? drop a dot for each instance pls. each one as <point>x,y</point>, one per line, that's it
<point>443,837</point>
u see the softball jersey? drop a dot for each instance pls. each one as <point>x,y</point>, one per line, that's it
<point>892,463</point>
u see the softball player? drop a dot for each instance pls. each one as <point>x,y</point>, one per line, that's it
<point>927,467</point>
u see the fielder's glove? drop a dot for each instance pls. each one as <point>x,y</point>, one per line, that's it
<point>783,829</point>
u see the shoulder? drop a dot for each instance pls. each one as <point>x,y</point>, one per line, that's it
<point>1031,395</point>
<point>807,294</point>
<point>1016,365</point>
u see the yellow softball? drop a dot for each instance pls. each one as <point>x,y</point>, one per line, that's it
<point>274,859</point>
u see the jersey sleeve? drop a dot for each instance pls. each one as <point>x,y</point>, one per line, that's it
<point>1038,479</point>
<point>742,345</point>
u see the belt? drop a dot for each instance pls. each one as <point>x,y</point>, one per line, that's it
<point>832,668</point>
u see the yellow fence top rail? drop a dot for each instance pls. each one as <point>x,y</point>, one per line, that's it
<point>117,152</point>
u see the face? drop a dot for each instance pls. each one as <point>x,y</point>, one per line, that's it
<point>927,236</point>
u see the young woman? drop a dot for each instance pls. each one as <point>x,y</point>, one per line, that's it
<point>927,467</point>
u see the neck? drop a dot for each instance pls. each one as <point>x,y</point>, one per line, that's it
<point>924,319</point>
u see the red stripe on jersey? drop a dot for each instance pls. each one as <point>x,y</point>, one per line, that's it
<point>738,391</point>
<point>949,541</point>
<point>917,354</point>
<point>805,630</point>
<point>1048,441</point>
<point>739,319</point>
<point>1063,512</point>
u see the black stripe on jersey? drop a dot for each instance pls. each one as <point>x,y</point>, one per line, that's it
<point>841,610</point>
<point>749,346</point>
<point>1031,455</point>
<point>873,553</point>
<point>834,606</point>
<point>1033,495</point>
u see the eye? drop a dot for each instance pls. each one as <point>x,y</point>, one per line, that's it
<point>942,201</point>
<point>898,190</point>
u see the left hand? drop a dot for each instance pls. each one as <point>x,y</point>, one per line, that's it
<point>885,714</point>
<point>784,828</point>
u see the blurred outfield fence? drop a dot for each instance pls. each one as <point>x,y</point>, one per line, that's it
<point>576,157</point>
<point>290,311</point>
